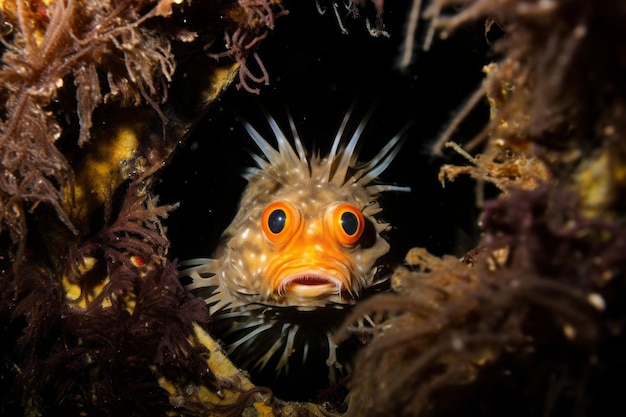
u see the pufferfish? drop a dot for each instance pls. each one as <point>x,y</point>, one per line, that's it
<point>305,246</point>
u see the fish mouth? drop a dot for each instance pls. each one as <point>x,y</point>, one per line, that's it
<point>310,284</point>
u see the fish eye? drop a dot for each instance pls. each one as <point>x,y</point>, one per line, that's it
<point>348,223</point>
<point>279,220</point>
<point>276,221</point>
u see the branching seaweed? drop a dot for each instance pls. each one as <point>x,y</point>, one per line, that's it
<point>539,92</point>
<point>98,323</point>
<point>499,165</point>
<point>136,231</point>
<point>245,38</point>
<point>103,362</point>
<point>530,322</point>
<point>49,49</point>
<point>132,314</point>
<point>461,322</point>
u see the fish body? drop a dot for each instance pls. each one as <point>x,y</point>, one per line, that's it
<point>304,246</point>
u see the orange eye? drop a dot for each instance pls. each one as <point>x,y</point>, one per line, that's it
<point>348,223</point>
<point>279,220</point>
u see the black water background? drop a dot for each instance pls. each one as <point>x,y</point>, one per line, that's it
<point>317,73</point>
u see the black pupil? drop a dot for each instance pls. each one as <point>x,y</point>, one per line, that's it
<point>350,223</point>
<point>276,221</point>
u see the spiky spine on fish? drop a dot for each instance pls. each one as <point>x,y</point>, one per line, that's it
<point>304,241</point>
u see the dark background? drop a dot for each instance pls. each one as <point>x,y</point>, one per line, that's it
<point>317,73</point>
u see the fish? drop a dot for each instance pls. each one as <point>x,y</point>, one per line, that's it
<point>306,244</point>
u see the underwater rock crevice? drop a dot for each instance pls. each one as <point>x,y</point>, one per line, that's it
<point>97,323</point>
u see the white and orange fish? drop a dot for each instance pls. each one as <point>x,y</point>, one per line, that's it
<point>305,245</point>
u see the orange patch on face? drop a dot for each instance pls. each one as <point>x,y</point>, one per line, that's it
<point>311,256</point>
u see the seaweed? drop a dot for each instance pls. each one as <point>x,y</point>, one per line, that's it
<point>541,295</point>
<point>94,319</point>
<point>560,79</point>
<point>245,38</point>
<point>530,321</point>
<point>50,49</point>
<point>93,349</point>
<point>102,364</point>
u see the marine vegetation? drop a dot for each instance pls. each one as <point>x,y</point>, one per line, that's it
<point>95,97</point>
<point>94,100</point>
<point>530,322</point>
<point>71,58</point>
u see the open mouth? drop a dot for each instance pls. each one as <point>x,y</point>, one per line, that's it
<point>310,280</point>
<point>310,284</point>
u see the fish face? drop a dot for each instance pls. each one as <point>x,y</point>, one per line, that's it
<point>306,234</point>
<point>317,260</point>
<point>303,249</point>
<point>306,261</point>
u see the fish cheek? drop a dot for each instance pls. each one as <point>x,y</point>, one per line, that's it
<point>249,253</point>
<point>371,247</point>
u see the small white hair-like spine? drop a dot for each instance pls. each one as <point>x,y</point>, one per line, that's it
<point>340,168</point>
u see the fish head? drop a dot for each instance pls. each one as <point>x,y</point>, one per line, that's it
<point>306,233</point>
<point>304,245</point>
